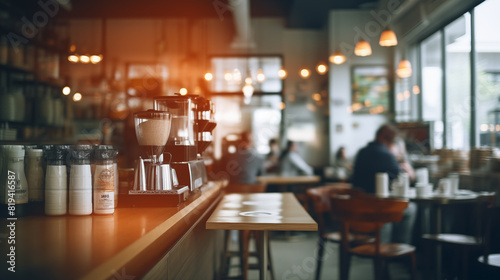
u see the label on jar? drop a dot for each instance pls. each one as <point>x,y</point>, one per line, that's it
<point>104,189</point>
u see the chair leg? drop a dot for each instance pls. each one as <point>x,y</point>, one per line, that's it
<point>319,257</point>
<point>345,263</point>
<point>413,266</point>
<point>465,264</point>
<point>378,268</point>
<point>244,252</point>
<point>385,270</point>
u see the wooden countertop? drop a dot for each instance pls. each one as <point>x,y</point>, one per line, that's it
<point>124,245</point>
<point>277,179</point>
<point>261,211</point>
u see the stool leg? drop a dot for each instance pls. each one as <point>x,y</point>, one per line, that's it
<point>269,257</point>
<point>244,252</point>
<point>319,257</point>
<point>225,255</point>
<point>413,266</point>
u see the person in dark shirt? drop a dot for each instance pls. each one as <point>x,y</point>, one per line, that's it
<point>377,157</point>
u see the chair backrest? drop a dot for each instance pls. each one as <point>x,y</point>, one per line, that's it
<point>366,213</point>
<point>245,188</point>
<point>319,198</point>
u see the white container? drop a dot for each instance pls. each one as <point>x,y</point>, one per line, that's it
<point>56,190</point>
<point>104,188</point>
<point>80,190</point>
<point>382,184</point>
<point>422,175</point>
<point>34,174</point>
<point>454,183</point>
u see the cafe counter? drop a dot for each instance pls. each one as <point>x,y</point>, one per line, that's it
<point>146,242</point>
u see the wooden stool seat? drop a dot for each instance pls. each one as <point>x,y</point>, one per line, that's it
<point>454,239</point>
<point>492,260</point>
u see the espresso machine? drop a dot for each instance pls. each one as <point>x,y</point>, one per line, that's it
<point>190,135</point>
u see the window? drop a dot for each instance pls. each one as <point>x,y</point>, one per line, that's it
<point>487,40</point>
<point>458,88</point>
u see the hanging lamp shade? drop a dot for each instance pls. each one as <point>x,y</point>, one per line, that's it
<point>388,39</point>
<point>337,57</point>
<point>404,69</point>
<point>363,48</point>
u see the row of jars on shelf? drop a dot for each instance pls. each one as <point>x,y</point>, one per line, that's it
<point>34,105</point>
<point>30,58</point>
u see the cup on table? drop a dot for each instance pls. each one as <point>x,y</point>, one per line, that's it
<point>382,184</point>
<point>454,181</point>
<point>444,186</point>
<point>400,191</point>
<point>423,189</point>
<point>422,175</point>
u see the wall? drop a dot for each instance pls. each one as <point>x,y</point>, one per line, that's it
<point>352,131</point>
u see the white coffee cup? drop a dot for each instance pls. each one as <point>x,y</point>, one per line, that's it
<point>382,184</point>
<point>444,186</point>
<point>423,190</point>
<point>422,175</point>
<point>454,182</point>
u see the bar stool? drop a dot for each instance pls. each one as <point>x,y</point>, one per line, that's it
<point>320,201</point>
<point>244,239</point>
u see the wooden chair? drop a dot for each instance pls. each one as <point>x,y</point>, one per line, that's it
<point>462,244</point>
<point>319,198</point>
<point>244,237</point>
<point>368,214</point>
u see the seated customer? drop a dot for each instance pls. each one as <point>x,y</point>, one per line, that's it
<point>377,157</point>
<point>245,164</point>
<point>291,164</point>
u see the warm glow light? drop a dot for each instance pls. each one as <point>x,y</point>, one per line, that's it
<point>248,80</point>
<point>401,97</point>
<point>492,128</point>
<point>388,39</point>
<point>84,59</point>
<point>484,127</point>
<point>368,103</point>
<point>404,69</point>
<point>357,106</point>
<point>66,90</point>
<point>337,58</point>
<point>316,97</point>
<point>94,59</point>
<point>321,68</point>
<point>282,105</point>
<point>260,76</point>
<point>73,58</point>
<point>407,94</point>
<point>209,76</point>
<point>416,89</point>
<point>248,90</point>
<point>183,91</point>
<point>363,48</point>
<point>237,75</point>
<point>72,48</point>
<point>77,97</point>
<point>228,76</point>
<point>305,73</point>
<point>282,73</point>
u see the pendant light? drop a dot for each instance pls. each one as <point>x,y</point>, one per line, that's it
<point>337,57</point>
<point>321,68</point>
<point>404,69</point>
<point>388,38</point>
<point>363,48</point>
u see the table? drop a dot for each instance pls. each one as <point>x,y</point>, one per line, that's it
<point>284,180</point>
<point>261,212</point>
<point>437,201</point>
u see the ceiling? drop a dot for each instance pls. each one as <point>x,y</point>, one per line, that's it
<point>297,13</point>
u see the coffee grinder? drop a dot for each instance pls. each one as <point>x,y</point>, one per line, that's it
<point>186,136</point>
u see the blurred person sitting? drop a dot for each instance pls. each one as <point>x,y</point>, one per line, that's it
<point>291,163</point>
<point>271,163</point>
<point>343,166</point>
<point>244,165</point>
<point>377,157</point>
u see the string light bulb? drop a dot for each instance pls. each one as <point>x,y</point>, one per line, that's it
<point>337,57</point>
<point>260,76</point>
<point>321,68</point>
<point>282,73</point>
<point>208,76</point>
<point>183,91</point>
<point>305,73</point>
<point>66,90</point>
<point>77,97</point>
